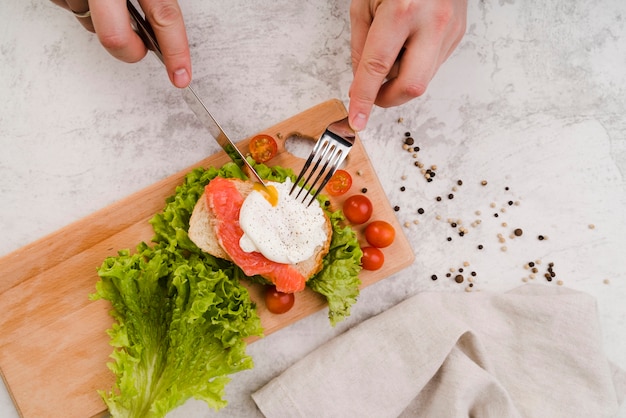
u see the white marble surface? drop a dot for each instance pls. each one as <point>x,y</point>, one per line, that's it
<point>533,99</point>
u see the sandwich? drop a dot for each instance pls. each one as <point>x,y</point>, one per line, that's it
<point>264,231</point>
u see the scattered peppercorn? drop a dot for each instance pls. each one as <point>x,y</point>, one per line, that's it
<point>484,182</point>
<point>459,182</point>
<point>458,278</point>
<point>433,277</point>
<point>480,247</point>
<point>396,208</point>
<point>402,188</point>
<point>540,237</point>
<point>407,134</point>
<point>409,141</point>
<point>416,149</point>
<point>450,196</point>
<point>364,190</point>
<point>420,211</point>
<point>438,198</point>
<point>518,232</point>
<point>510,202</point>
<point>449,238</point>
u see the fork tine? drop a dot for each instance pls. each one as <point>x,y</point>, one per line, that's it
<point>312,155</point>
<point>337,158</point>
<point>322,147</point>
<point>329,151</point>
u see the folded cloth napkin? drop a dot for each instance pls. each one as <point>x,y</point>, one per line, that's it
<point>535,351</point>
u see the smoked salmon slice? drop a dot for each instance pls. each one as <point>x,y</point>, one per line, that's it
<point>224,200</point>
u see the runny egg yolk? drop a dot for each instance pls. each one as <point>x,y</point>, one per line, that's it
<point>269,192</point>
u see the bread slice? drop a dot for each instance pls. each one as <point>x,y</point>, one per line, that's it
<point>202,233</point>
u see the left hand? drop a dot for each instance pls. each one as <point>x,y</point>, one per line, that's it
<point>397,47</point>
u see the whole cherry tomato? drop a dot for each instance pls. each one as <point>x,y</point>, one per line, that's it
<point>263,148</point>
<point>278,302</point>
<point>372,259</point>
<point>339,183</point>
<point>357,209</point>
<point>380,234</point>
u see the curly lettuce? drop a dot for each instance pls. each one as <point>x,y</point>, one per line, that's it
<point>182,316</point>
<point>339,279</point>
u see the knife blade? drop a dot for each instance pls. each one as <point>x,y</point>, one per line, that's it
<point>144,30</point>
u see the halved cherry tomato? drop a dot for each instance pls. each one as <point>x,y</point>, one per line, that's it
<point>380,234</point>
<point>339,183</point>
<point>357,208</point>
<point>263,148</point>
<point>372,259</point>
<point>278,302</point>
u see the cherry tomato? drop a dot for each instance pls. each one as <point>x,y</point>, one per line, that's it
<point>372,259</point>
<point>357,208</point>
<point>339,183</point>
<point>278,302</point>
<point>263,148</point>
<point>380,234</point>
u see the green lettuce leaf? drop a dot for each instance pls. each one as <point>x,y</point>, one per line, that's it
<point>339,279</point>
<point>182,316</point>
<point>179,331</point>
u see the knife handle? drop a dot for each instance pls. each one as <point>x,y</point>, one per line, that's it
<point>142,27</point>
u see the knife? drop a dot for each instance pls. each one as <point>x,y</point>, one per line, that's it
<point>144,30</point>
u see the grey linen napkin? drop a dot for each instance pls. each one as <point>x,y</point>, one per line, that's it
<point>535,351</point>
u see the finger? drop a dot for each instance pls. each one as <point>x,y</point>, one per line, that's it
<point>379,54</point>
<point>112,24</point>
<point>80,8</point>
<point>360,21</point>
<point>418,65</point>
<point>167,22</point>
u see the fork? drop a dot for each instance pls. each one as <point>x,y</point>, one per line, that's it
<point>331,149</point>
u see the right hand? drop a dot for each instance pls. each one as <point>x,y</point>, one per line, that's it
<point>110,21</point>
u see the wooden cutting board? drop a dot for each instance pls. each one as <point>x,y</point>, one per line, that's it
<point>53,344</point>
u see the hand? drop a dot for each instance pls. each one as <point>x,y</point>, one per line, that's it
<point>397,47</point>
<point>109,19</point>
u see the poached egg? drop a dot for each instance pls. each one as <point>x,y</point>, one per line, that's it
<point>283,229</point>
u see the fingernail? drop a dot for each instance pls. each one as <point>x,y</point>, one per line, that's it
<point>359,121</point>
<point>181,78</point>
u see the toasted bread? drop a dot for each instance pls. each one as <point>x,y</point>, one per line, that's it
<point>202,233</point>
